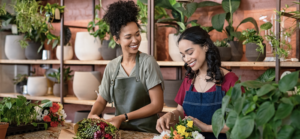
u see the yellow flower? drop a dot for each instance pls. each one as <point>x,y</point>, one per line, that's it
<point>181,129</point>
<point>186,134</point>
<point>60,107</point>
<point>190,124</point>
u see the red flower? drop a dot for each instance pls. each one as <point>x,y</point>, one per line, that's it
<point>103,123</point>
<point>107,136</point>
<point>54,124</point>
<point>102,127</point>
<point>47,118</point>
<point>54,108</point>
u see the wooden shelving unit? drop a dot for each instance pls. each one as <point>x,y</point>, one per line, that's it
<point>160,63</point>
<point>67,99</point>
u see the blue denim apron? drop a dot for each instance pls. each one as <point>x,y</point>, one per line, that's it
<point>202,106</point>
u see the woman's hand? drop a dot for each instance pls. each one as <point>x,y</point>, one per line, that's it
<point>163,122</point>
<point>94,117</point>
<point>116,121</point>
<point>202,126</point>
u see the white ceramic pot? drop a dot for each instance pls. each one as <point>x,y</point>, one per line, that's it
<point>173,47</point>
<point>144,44</point>
<point>68,52</point>
<point>37,86</point>
<point>13,49</point>
<point>85,84</point>
<point>87,47</point>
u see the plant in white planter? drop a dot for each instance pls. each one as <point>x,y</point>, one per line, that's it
<point>68,49</point>
<point>67,76</point>
<point>224,50</point>
<point>180,21</point>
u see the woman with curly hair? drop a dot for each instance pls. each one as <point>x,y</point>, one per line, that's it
<point>204,86</point>
<point>132,81</point>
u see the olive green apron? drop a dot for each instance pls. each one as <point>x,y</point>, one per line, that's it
<point>129,94</point>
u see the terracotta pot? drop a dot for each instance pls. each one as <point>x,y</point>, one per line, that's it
<point>173,48</point>
<point>31,51</point>
<point>13,49</point>
<point>225,53</point>
<point>85,84</point>
<point>37,86</point>
<point>236,50</point>
<point>68,52</point>
<point>144,44</point>
<point>171,90</point>
<point>252,54</point>
<point>107,53</point>
<point>87,47</point>
<point>3,129</point>
<point>56,90</point>
<point>80,115</point>
<point>118,50</point>
<point>19,86</point>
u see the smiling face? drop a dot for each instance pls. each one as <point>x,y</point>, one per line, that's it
<point>130,38</point>
<point>193,54</point>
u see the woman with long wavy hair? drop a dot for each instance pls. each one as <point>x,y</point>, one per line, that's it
<point>204,86</point>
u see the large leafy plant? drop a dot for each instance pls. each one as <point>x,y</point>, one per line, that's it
<point>67,74</point>
<point>252,36</point>
<point>218,20</point>
<point>19,111</point>
<point>181,13</point>
<point>50,10</point>
<point>265,110</point>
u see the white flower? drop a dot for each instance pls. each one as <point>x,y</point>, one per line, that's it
<point>197,135</point>
<point>157,137</point>
<point>263,17</point>
<point>200,136</point>
<point>64,114</point>
<point>162,134</point>
<point>46,112</point>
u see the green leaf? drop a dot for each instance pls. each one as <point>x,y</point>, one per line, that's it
<point>46,126</point>
<point>288,82</point>
<point>181,25</point>
<point>295,120</point>
<point>218,21</point>
<point>267,76</point>
<point>241,131</point>
<point>285,132</point>
<point>296,134</point>
<point>8,105</point>
<point>19,102</point>
<point>208,29</point>
<point>252,84</point>
<point>231,119</point>
<point>225,102</point>
<point>217,122</point>
<point>265,90</point>
<point>207,4</point>
<point>284,109</point>
<point>249,107</point>
<point>238,104</point>
<point>266,26</point>
<point>166,20</point>
<point>34,124</point>
<point>264,113</point>
<point>268,133</point>
<point>276,95</point>
<point>47,104</point>
<point>44,101</point>
<point>251,20</point>
<point>255,134</point>
<point>54,44</point>
<point>236,92</point>
<point>231,5</point>
<point>190,9</point>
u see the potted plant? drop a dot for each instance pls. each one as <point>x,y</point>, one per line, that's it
<point>180,21</point>
<point>20,81</point>
<point>234,37</point>
<point>67,77</point>
<point>255,48</point>
<point>53,11</point>
<point>265,107</point>
<point>224,50</point>
<point>21,115</point>
<point>3,125</point>
<point>33,24</point>
<point>68,49</point>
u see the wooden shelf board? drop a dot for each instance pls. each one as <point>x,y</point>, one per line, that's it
<point>6,61</point>
<point>88,62</point>
<point>67,99</point>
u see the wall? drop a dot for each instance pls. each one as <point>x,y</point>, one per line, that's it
<point>79,13</point>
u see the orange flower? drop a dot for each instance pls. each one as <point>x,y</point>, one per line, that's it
<point>175,132</point>
<point>54,107</point>
<point>166,137</point>
<point>178,137</point>
<point>47,118</point>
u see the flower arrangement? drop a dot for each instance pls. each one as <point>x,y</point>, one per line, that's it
<point>95,129</point>
<point>51,112</point>
<point>185,129</point>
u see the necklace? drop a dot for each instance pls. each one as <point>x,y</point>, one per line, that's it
<point>202,90</point>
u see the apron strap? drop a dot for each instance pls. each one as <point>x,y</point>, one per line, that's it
<point>137,64</point>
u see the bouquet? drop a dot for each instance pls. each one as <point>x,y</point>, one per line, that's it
<point>185,129</point>
<point>51,112</point>
<point>95,129</point>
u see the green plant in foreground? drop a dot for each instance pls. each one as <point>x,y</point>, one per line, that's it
<point>67,74</point>
<point>265,108</point>
<point>222,43</point>
<point>19,111</point>
<point>20,78</point>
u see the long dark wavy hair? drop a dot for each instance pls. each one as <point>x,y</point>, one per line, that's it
<point>199,36</point>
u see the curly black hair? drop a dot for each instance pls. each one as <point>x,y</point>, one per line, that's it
<point>119,14</point>
<point>199,36</point>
